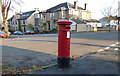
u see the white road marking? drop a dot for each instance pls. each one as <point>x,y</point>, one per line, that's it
<point>100,50</point>
<point>118,43</point>
<point>110,47</point>
<point>106,48</point>
<point>113,45</point>
<point>116,49</point>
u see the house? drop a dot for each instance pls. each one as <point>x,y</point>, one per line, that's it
<point>63,11</point>
<point>13,22</point>
<point>105,20</point>
<point>79,25</point>
<point>24,19</point>
<point>118,12</point>
<point>93,23</point>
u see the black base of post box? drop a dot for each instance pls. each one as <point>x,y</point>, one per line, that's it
<point>63,62</point>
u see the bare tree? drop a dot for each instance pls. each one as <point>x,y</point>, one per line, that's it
<point>5,7</point>
<point>109,11</point>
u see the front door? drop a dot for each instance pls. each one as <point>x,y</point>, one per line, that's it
<point>24,29</point>
<point>48,25</point>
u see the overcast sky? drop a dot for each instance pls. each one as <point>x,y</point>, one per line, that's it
<point>95,6</point>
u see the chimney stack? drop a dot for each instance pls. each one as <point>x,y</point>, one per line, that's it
<point>16,13</point>
<point>20,12</point>
<point>36,9</point>
<point>85,6</point>
<point>75,4</point>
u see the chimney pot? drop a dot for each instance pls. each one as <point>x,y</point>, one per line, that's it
<point>75,4</point>
<point>85,6</point>
<point>36,9</point>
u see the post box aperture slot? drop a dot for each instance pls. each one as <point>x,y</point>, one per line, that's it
<point>67,27</point>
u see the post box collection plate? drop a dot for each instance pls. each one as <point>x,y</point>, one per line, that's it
<point>68,34</point>
<point>64,43</point>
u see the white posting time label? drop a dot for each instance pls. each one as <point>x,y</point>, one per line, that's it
<point>68,34</point>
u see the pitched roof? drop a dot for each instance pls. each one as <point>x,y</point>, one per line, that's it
<point>57,7</point>
<point>111,17</point>
<point>91,20</point>
<point>66,5</point>
<point>25,15</point>
<point>78,21</point>
<point>10,19</point>
<point>72,6</point>
<point>22,16</point>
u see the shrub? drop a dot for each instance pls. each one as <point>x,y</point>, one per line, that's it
<point>57,27</point>
<point>54,29</point>
<point>108,25</point>
<point>45,25</point>
<point>30,27</point>
<point>10,30</point>
<point>19,26</point>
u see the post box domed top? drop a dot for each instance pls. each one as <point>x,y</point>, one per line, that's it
<point>64,22</point>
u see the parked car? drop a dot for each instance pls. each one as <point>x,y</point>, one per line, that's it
<point>2,34</point>
<point>9,32</point>
<point>18,33</point>
<point>29,32</point>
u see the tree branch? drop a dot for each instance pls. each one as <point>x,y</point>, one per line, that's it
<point>8,8</point>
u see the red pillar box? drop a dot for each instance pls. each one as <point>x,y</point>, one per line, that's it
<point>64,43</point>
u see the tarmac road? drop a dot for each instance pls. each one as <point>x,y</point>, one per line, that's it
<point>41,50</point>
<point>112,36</point>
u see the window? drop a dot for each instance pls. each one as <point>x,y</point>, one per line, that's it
<point>13,22</point>
<point>59,14</point>
<point>8,22</point>
<point>71,12</point>
<point>44,16</point>
<point>23,21</point>
<point>64,14</point>
<point>51,15</point>
<point>27,14</point>
<point>16,22</point>
<point>47,16</point>
<point>36,15</point>
<point>41,16</point>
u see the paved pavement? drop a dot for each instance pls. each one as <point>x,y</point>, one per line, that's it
<point>41,50</point>
<point>105,62</point>
<point>100,62</point>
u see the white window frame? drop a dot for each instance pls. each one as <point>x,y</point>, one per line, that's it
<point>60,14</point>
<point>51,15</point>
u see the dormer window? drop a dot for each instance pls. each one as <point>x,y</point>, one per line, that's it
<point>27,14</point>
